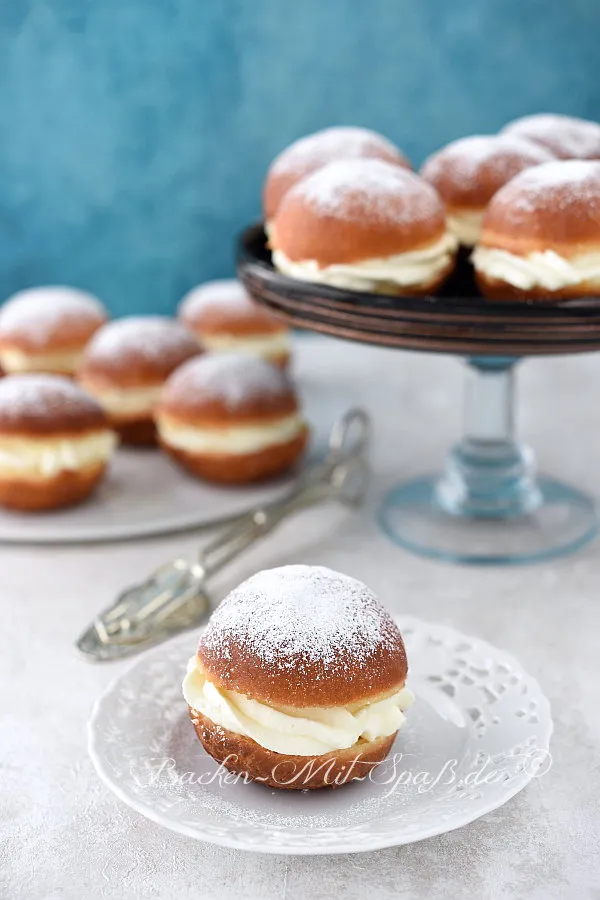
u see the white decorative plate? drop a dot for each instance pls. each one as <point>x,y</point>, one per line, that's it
<point>479,730</point>
<point>144,493</point>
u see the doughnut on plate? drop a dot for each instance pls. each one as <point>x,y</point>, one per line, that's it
<point>478,732</point>
<point>144,493</point>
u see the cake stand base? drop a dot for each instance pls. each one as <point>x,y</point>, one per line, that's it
<point>562,521</point>
<point>489,505</point>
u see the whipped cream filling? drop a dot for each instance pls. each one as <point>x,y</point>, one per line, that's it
<point>15,360</point>
<point>128,402</point>
<point>268,346</point>
<point>302,731</point>
<point>47,457</point>
<point>405,269</point>
<point>236,439</point>
<point>466,226</point>
<point>545,269</point>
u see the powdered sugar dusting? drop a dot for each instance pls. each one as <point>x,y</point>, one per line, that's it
<point>367,188</point>
<point>341,142</point>
<point>42,312</point>
<point>42,395</point>
<point>229,378</point>
<point>153,338</point>
<point>225,293</point>
<point>463,160</point>
<point>562,184</point>
<point>301,612</point>
<point>567,136</point>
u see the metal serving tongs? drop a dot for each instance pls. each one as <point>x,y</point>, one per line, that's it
<point>174,597</point>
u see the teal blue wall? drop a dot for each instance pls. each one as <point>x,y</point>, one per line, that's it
<point>134,133</point>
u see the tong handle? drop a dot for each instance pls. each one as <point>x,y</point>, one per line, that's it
<point>173,597</point>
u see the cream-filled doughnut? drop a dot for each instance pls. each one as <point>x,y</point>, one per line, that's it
<point>225,319</point>
<point>55,442</point>
<point>364,225</point>
<point>567,137</point>
<point>314,151</point>
<point>540,238</point>
<point>46,329</point>
<point>127,363</point>
<point>299,679</point>
<point>231,418</point>
<point>467,173</point>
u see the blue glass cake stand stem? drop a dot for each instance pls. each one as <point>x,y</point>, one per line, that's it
<point>489,504</point>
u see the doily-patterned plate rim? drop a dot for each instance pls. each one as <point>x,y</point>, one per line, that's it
<point>364,841</point>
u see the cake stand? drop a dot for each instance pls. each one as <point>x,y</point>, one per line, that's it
<point>488,505</point>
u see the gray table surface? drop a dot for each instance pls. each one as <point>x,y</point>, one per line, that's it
<point>64,835</point>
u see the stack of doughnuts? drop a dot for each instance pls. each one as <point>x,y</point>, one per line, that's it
<point>232,419</point>
<point>298,682</point>
<point>525,201</point>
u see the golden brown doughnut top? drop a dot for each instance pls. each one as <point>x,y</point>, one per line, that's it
<point>355,210</point>
<point>468,172</point>
<point>50,319</point>
<point>303,636</point>
<point>35,405</point>
<point>566,136</point>
<point>136,351</point>
<point>227,388</point>
<point>314,151</point>
<point>552,206</point>
<point>225,307</point>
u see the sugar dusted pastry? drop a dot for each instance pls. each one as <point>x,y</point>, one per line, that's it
<point>299,679</point>
<point>231,418</point>
<point>226,319</point>
<point>55,442</point>
<point>314,151</point>
<point>126,365</point>
<point>540,238</point>
<point>567,137</point>
<point>468,172</point>
<point>46,329</point>
<point>364,225</point>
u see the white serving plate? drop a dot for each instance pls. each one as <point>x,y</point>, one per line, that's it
<point>480,729</point>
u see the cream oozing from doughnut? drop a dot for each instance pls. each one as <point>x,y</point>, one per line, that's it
<point>45,329</point>
<point>268,346</point>
<point>127,402</point>
<point>301,731</point>
<point>45,457</point>
<point>466,225</point>
<point>14,359</point>
<point>404,269</point>
<point>545,268</point>
<point>229,439</point>
<point>552,210</point>
<point>226,319</point>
